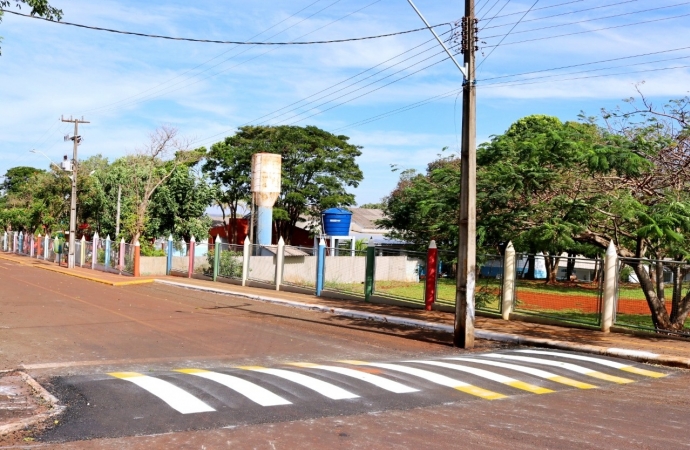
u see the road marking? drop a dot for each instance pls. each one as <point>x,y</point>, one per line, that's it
<point>435,378</point>
<point>326,389</point>
<point>530,370</point>
<point>605,362</point>
<point>490,376</point>
<point>567,366</point>
<point>253,392</point>
<point>178,399</point>
<point>383,383</point>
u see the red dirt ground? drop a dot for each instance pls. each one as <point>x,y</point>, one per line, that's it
<point>580,303</point>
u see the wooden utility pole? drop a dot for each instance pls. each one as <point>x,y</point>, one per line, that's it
<point>463,335</point>
<point>73,196</point>
<point>463,332</point>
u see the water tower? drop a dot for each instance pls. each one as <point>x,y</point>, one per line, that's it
<point>266,181</point>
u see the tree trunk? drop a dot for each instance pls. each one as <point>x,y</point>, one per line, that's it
<point>570,266</point>
<point>659,269</point>
<point>660,317</point>
<point>680,307</point>
<point>530,267</point>
<point>551,268</point>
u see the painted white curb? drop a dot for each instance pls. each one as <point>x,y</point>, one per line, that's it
<point>634,355</point>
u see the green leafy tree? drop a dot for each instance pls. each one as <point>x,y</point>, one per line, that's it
<point>16,177</point>
<point>317,169</point>
<point>178,206</point>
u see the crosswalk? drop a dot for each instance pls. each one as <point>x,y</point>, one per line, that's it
<point>487,376</point>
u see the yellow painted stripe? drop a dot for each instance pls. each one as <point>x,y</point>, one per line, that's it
<point>479,392</point>
<point>124,375</point>
<point>645,372</point>
<point>354,362</point>
<point>528,387</point>
<point>191,371</point>
<point>303,364</point>
<point>251,367</point>
<point>570,382</point>
<point>607,377</point>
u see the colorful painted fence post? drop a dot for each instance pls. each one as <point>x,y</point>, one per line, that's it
<point>32,249</point>
<point>320,265</point>
<point>610,276</point>
<point>431,276</point>
<point>39,246</point>
<point>245,260</point>
<point>4,242</point>
<point>123,249</point>
<point>82,251</point>
<point>94,250</point>
<point>508,298</point>
<point>56,248</point>
<point>168,267</point>
<point>369,272</point>
<point>15,241</point>
<point>216,258</point>
<point>137,259</point>
<point>107,252</point>
<point>21,242</point>
<point>192,248</point>
<point>280,262</point>
<point>46,247</point>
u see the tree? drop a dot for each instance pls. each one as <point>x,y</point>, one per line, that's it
<point>179,205</point>
<point>228,164</point>
<point>372,206</point>
<point>39,8</point>
<point>317,169</point>
<point>16,177</point>
<point>152,165</point>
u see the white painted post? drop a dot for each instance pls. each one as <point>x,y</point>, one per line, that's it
<point>352,246</point>
<point>94,251</point>
<point>46,247</point>
<point>245,260</point>
<point>56,244</point>
<point>333,243</point>
<point>280,260</point>
<point>31,243</point>
<point>4,242</point>
<point>82,251</point>
<point>508,282</point>
<point>610,276</point>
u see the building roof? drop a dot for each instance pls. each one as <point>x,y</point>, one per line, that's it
<point>364,221</point>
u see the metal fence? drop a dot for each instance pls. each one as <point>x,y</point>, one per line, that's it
<point>575,295</point>
<point>229,260</point>
<point>262,264</point>
<point>299,267</point>
<point>344,270</point>
<point>398,275</point>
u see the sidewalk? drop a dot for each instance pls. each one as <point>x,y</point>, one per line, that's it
<point>660,350</point>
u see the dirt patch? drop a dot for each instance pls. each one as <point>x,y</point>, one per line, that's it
<point>585,304</point>
<point>24,411</point>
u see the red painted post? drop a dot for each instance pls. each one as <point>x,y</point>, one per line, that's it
<point>431,275</point>
<point>137,260</point>
<point>192,247</point>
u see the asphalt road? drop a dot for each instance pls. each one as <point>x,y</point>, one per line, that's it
<point>120,358</point>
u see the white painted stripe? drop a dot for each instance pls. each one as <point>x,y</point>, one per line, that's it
<point>529,370</point>
<point>383,383</point>
<point>253,392</point>
<point>429,376</point>
<point>603,362</point>
<point>473,370</point>
<point>178,399</point>
<point>326,389</point>
<point>546,362</point>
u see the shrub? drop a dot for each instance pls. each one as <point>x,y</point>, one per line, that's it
<point>230,264</point>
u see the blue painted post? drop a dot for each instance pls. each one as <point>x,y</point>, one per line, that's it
<point>320,260</point>
<point>168,269</point>
<point>21,242</point>
<point>107,252</point>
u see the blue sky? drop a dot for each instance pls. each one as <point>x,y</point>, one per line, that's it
<point>127,86</point>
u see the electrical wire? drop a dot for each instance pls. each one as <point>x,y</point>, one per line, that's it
<point>591,31</point>
<point>592,20</point>
<point>168,91</point>
<point>211,41</point>
<point>212,59</point>
<point>560,14</point>
<point>505,36</point>
<point>541,8</point>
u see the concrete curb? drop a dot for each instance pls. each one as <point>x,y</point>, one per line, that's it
<point>634,355</point>
<point>54,408</point>
<point>96,279</point>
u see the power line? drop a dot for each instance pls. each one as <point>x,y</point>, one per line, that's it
<point>541,8</point>
<point>506,35</point>
<point>215,57</point>
<point>167,91</point>
<point>559,15</point>
<point>592,20</point>
<point>211,41</point>
<point>496,15</point>
<point>359,81</point>
<point>592,31</point>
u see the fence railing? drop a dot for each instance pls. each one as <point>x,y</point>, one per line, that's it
<point>596,292</point>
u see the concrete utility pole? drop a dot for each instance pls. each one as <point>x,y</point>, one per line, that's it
<point>463,335</point>
<point>73,197</point>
